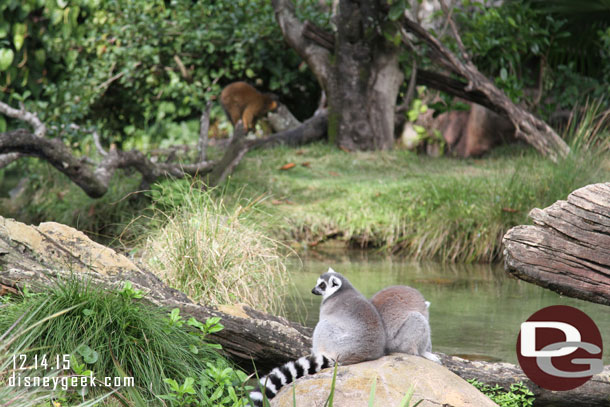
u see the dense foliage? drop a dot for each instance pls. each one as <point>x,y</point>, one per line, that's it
<point>537,51</point>
<point>142,66</point>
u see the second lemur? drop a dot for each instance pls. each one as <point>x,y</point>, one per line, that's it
<point>349,331</point>
<point>404,312</point>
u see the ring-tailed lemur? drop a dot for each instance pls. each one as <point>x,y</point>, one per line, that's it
<point>349,331</point>
<point>404,312</point>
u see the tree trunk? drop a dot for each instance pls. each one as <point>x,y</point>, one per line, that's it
<point>358,70</point>
<point>365,79</point>
<point>568,248</point>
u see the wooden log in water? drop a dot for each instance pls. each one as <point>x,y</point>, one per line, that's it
<point>567,250</point>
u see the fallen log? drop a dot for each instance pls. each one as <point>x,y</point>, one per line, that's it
<point>567,250</point>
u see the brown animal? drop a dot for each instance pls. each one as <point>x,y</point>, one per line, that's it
<point>241,101</point>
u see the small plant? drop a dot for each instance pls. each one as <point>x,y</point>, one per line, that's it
<point>180,394</point>
<point>131,293</point>
<point>517,396</point>
<point>107,332</point>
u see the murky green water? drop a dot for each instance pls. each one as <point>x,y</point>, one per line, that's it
<point>476,309</point>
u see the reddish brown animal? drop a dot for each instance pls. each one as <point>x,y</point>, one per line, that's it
<point>241,101</point>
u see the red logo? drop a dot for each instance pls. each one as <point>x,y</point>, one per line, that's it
<point>560,348</point>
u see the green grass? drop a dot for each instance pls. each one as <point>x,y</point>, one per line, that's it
<point>113,336</point>
<point>517,396</point>
<point>442,208</point>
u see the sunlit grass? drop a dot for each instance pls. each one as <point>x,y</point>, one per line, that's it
<point>442,208</point>
<point>211,253</point>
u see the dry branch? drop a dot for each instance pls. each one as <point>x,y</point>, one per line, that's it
<point>528,127</point>
<point>94,181</point>
<point>39,127</point>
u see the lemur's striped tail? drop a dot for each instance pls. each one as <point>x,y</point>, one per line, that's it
<point>286,374</point>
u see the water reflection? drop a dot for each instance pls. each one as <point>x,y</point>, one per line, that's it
<point>476,309</point>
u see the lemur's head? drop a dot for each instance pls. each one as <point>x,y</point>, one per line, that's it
<point>329,283</point>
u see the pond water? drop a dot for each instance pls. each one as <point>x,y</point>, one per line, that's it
<point>476,309</point>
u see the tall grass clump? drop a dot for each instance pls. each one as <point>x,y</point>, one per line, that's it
<point>14,342</point>
<point>588,129</point>
<point>213,254</point>
<point>112,335</point>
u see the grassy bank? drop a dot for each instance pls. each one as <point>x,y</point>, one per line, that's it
<point>441,208</point>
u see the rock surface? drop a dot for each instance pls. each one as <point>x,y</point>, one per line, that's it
<point>395,374</point>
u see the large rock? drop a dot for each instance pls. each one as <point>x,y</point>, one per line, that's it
<point>395,374</point>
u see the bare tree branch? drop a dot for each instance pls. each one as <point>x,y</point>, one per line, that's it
<point>456,34</point>
<point>40,130</point>
<point>6,159</point>
<point>96,138</point>
<point>95,181</point>
<point>204,127</point>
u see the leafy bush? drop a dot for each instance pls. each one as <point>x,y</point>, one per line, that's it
<point>129,65</point>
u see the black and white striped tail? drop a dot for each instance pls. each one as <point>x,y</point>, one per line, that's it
<point>286,374</point>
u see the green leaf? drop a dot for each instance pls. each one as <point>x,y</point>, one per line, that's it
<point>4,29</point>
<point>2,124</point>
<point>217,393</point>
<point>18,41</point>
<point>6,58</point>
<point>91,357</point>
<point>503,74</point>
<point>396,10</point>
<point>511,21</point>
<point>62,3</point>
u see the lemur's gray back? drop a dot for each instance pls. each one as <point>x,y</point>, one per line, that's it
<point>350,329</point>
